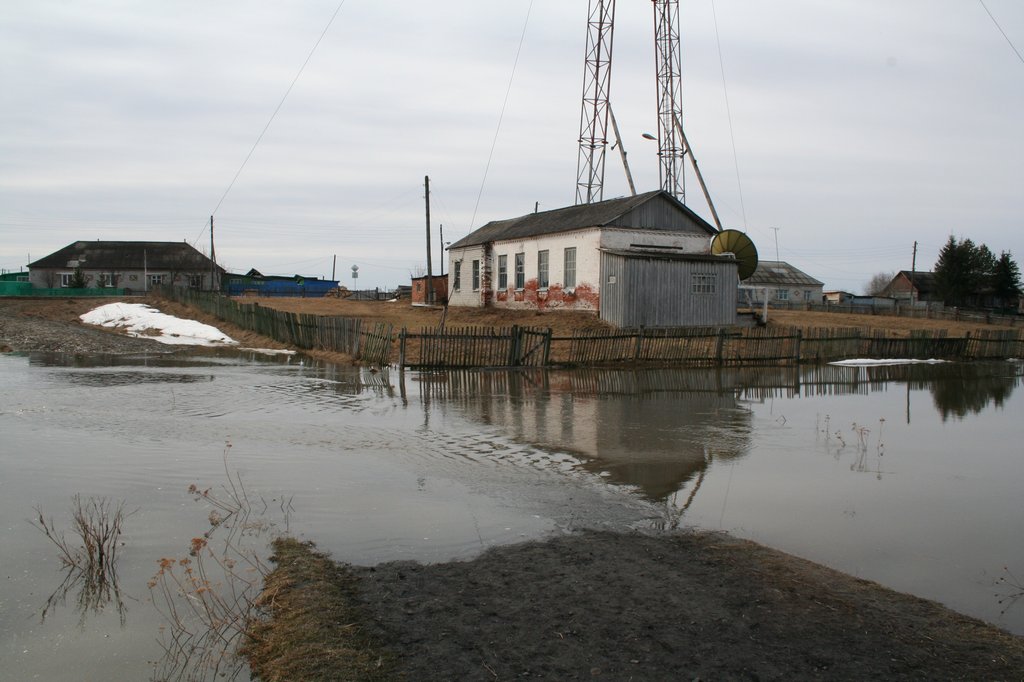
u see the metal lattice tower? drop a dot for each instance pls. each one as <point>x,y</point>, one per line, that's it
<point>668,63</point>
<point>597,80</point>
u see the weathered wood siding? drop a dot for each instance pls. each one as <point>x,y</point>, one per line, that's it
<point>653,292</point>
<point>660,214</point>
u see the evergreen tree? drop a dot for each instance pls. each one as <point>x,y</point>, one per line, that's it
<point>952,271</point>
<point>78,279</point>
<point>1006,283</point>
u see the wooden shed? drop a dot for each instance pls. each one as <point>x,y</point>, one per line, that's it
<point>665,288</point>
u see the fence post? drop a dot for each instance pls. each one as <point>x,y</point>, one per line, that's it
<point>639,343</point>
<point>513,350</point>
<point>547,347</point>
<point>401,348</point>
<point>720,345</point>
<point>796,346</point>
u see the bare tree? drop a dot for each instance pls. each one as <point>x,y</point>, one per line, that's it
<point>878,283</point>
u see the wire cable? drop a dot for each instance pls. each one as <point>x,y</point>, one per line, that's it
<point>501,116</point>
<point>1010,42</point>
<point>728,114</point>
<point>274,114</point>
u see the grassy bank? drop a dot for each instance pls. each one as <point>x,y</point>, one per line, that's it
<point>312,630</point>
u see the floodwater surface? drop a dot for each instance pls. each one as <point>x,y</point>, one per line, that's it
<point>909,476</point>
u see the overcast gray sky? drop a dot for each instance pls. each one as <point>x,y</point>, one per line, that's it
<point>860,126</point>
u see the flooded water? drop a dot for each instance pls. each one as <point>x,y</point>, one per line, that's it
<point>909,476</point>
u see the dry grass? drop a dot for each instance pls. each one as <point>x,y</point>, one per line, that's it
<point>312,629</point>
<point>803,319</point>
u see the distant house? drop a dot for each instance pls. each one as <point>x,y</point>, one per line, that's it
<point>784,284</point>
<point>636,261</point>
<point>912,286</point>
<point>837,297</point>
<point>135,266</point>
<point>255,283</point>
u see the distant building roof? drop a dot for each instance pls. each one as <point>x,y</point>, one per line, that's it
<point>924,282</point>
<point>610,213</point>
<point>101,255</point>
<point>780,273</point>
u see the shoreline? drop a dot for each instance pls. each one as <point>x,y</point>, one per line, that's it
<point>598,604</point>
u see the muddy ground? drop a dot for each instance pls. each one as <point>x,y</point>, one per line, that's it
<point>594,605</point>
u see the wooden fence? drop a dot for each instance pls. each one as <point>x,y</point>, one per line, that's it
<point>311,332</point>
<point>475,347</point>
<point>538,347</point>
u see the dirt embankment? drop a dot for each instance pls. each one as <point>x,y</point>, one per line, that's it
<point>53,325</point>
<point>598,605</point>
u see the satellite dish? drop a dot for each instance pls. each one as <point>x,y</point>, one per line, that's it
<point>739,245</point>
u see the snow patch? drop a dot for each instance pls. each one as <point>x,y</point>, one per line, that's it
<point>141,320</point>
<point>869,362</point>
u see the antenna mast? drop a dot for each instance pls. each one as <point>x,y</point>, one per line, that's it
<point>597,81</point>
<point>668,65</point>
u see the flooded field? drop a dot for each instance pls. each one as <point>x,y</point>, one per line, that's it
<point>906,475</point>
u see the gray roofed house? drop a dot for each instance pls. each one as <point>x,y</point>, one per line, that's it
<point>784,283</point>
<point>641,260</point>
<point>132,265</point>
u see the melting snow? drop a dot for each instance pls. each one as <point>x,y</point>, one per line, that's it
<point>142,320</point>
<point>868,362</point>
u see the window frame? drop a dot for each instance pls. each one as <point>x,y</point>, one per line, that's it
<point>476,275</point>
<point>65,279</point>
<point>457,275</point>
<point>782,294</point>
<point>520,264</point>
<point>503,272</point>
<point>543,269</point>
<point>569,267</point>
<point>703,283</point>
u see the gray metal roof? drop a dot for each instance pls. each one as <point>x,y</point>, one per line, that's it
<point>780,273</point>
<point>609,213</point>
<point>100,255</point>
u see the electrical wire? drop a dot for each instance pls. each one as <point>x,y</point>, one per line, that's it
<point>274,114</point>
<point>728,114</point>
<point>501,116</point>
<point>1009,42</point>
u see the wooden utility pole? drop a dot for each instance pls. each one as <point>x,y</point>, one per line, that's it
<point>213,257</point>
<point>430,272</point>
<point>334,264</point>
<point>913,267</point>
<point>440,249</point>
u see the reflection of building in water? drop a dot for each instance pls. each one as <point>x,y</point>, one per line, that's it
<point>653,429</point>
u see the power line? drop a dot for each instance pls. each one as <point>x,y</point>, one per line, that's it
<point>728,114</point>
<point>501,116</point>
<point>276,109</point>
<point>1009,42</point>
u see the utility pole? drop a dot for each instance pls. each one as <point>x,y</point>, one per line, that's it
<point>440,248</point>
<point>334,264</point>
<point>213,257</point>
<point>430,273</point>
<point>776,242</point>
<point>913,267</point>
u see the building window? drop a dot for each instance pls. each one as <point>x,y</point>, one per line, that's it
<point>502,272</point>
<point>542,269</point>
<point>569,278</point>
<point>195,281</point>
<point>703,283</point>
<point>782,294</point>
<point>457,276</point>
<point>476,275</point>
<point>65,279</point>
<point>156,280</point>
<point>520,270</point>
<point>103,281</point>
